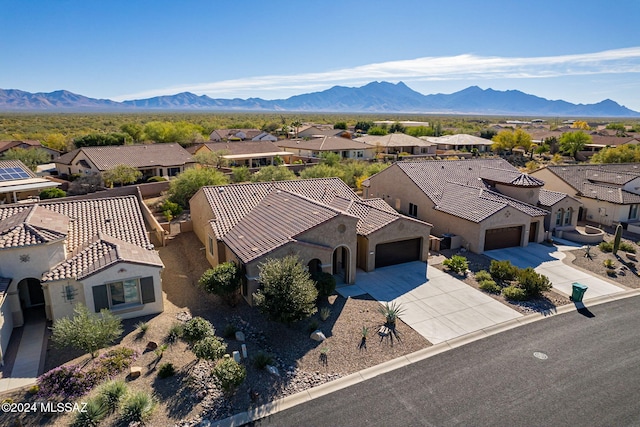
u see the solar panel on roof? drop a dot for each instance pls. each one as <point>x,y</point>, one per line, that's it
<point>8,174</point>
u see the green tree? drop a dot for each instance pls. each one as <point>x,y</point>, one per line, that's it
<point>55,141</point>
<point>52,193</point>
<point>340,125</point>
<point>31,157</point>
<point>223,280</point>
<point>377,130</point>
<point>363,126</point>
<point>329,158</point>
<point>100,139</point>
<point>627,153</point>
<point>211,158</point>
<point>296,126</point>
<point>122,174</point>
<point>87,331</point>
<point>418,131</point>
<point>287,293</point>
<point>209,348</point>
<point>273,173</point>
<point>322,171</point>
<point>185,185</point>
<point>240,174</point>
<point>572,142</point>
<point>229,373</point>
<point>507,140</point>
<point>396,128</point>
<point>134,130</point>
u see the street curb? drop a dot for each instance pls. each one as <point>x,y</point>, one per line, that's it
<point>391,365</point>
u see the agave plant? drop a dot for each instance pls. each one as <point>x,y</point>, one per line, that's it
<point>391,312</point>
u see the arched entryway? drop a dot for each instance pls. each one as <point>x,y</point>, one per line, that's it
<point>341,262</point>
<point>31,297</point>
<point>314,266</point>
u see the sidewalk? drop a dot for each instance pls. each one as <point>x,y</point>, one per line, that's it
<point>27,364</point>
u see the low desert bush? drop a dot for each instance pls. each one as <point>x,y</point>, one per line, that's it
<point>606,246</point>
<point>67,382</point>
<point>503,271</point>
<point>175,332</point>
<point>229,331</point>
<point>142,327</point>
<point>489,285</point>
<point>166,370</point>
<point>514,293</point>
<point>627,247</point>
<point>116,360</point>
<point>196,329</point>
<point>262,359</point>
<point>229,373</point>
<point>482,275</point>
<point>325,313</point>
<point>312,326</point>
<point>533,283</point>
<point>137,407</point>
<point>111,393</point>
<point>94,412</point>
<point>457,263</point>
<point>209,348</point>
<point>608,263</point>
<point>325,284</point>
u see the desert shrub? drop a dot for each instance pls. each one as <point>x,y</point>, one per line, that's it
<point>223,280</point>
<point>111,393</point>
<point>94,412</point>
<point>209,348</point>
<point>52,193</point>
<point>312,326</point>
<point>391,312</point>
<point>196,329</point>
<point>116,360</point>
<point>229,373</point>
<point>627,247</point>
<point>287,293</point>
<point>156,179</point>
<point>143,327</point>
<point>606,246</point>
<point>137,407</point>
<point>67,382</point>
<point>262,359</point>
<point>489,285</point>
<point>608,263</point>
<point>533,283</point>
<point>457,263</point>
<point>502,271</point>
<point>175,332</point>
<point>229,331</point>
<point>325,283</point>
<point>482,275</point>
<point>34,389</point>
<point>325,313</point>
<point>514,293</point>
<point>166,370</point>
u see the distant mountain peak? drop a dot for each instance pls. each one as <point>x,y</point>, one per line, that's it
<point>376,96</point>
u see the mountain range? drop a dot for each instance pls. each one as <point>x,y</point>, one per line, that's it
<point>375,97</point>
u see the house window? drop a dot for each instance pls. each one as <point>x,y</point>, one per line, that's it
<point>633,212</point>
<point>210,245</point>
<point>173,171</point>
<point>567,216</point>
<point>413,210</point>
<point>124,292</point>
<point>559,217</point>
<point>359,154</point>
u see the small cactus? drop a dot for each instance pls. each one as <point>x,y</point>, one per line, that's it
<point>616,240</point>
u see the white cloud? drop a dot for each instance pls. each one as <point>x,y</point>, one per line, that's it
<point>460,67</point>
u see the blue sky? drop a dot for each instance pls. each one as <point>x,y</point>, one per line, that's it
<point>582,52</point>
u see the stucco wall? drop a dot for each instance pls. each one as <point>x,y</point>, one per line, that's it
<point>401,229</point>
<point>526,195</point>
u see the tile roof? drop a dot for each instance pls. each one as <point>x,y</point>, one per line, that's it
<point>231,133</point>
<point>327,143</point>
<point>510,177</point>
<point>243,147</point>
<point>458,139</point>
<point>97,254</point>
<point>454,186</point>
<point>254,219</point>
<point>138,156</point>
<point>116,221</point>
<point>477,204</point>
<point>549,198</point>
<point>611,141</point>
<point>394,140</point>
<point>600,181</point>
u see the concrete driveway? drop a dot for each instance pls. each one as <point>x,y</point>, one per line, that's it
<point>440,308</point>
<point>547,260</point>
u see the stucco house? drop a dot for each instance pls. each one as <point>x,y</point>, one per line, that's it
<point>252,154</point>
<point>241,135</point>
<point>396,143</point>
<point>488,203</point>
<point>18,182</point>
<point>459,142</point>
<point>321,220</point>
<point>347,148</point>
<point>609,193</point>
<point>56,254</point>
<point>27,145</point>
<point>151,159</point>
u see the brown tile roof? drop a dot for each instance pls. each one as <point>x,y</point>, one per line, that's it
<point>137,156</point>
<point>99,253</point>
<point>117,219</point>
<point>450,185</point>
<point>244,147</point>
<point>393,140</point>
<point>458,139</point>
<point>509,177</point>
<point>612,141</point>
<point>327,143</point>
<point>548,198</point>
<point>230,133</point>
<point>600,181</point>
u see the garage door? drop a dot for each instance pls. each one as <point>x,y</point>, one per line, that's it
<point>397,252</point>
<point>499,238</point>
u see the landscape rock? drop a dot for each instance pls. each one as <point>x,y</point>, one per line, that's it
<point>151,345</point>
<point>135,372</point>
<point>240,336</point>
<point>317,335</point>
<point>236,356</point>
<point>273,370</point>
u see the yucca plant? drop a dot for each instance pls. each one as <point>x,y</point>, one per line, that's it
<point>94,412</point>
<point>325,313</point>
<point>137,407</point>
<point>391,312</point>
<point>111,393</point>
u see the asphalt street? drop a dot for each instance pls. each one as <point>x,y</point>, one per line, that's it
<point>580,368</point>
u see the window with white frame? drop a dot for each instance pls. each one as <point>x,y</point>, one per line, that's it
<point>124,292</point>
<point>559,217</point>
<point>633,212</point>
<point>567,216</point>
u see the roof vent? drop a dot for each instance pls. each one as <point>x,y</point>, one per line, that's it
<point>221,190</point>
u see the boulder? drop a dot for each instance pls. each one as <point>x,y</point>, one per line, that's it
<point>273,370</point>
<point>236,356</point>
<point>135,372</point>
<point>240,336</point>
<point>317,335</point>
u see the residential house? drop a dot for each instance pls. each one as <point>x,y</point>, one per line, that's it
<point>404,123</point>
<point>397,143</point>
<point>27,145</point>
<point>599,142</point>
<point>609,193</point>
<point>316,131</point>
<point>56,254</point>
<point>450,144</point>
<point>488,203</point>
<point>151,159</point>
<point>314,147</point>
<point>18,182</point>
<point>320,220</point>
<point>252,154</point>
<point>219,135</point>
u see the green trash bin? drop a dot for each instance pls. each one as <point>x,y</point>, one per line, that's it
<point>578,291</point>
